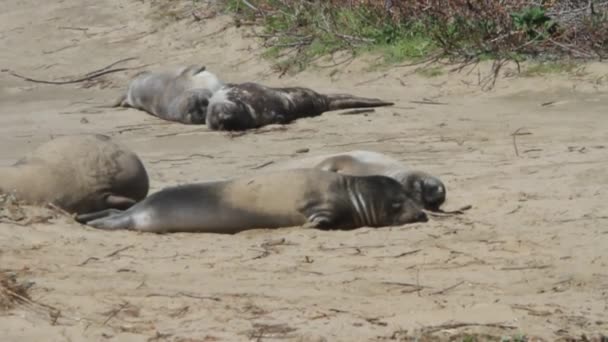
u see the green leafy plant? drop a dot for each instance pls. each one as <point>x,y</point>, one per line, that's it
<point>534,22</point>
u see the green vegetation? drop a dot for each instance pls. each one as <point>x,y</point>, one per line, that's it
<point>542,68</point>
<point>430,72</point>
<point>299,32</point>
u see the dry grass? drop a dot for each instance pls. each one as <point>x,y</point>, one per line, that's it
<point>12,292</point>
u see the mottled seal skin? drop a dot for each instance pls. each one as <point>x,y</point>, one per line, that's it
<point>80,174</point>
<point>427,190</point>
<point>244,106</point>
<point>311,198</point>
<point>179,94</point>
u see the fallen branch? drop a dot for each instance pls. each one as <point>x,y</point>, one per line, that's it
<point>429,102</point>
<point>448,326</point>
<point>89,76</point>
<point>402,254</point>
<point>262,165</point>
<point>371,80</point>
<point>111,65</point>
<point>489,81</point>
<point>431,59</point>
<point>519,268</point>
<point>448,288</point>
<point>183,294</point>
<point>200,155</point>
<point>119,250</point>
<point>514,135</point>
<point>115,312</point>
<point>413,287</point>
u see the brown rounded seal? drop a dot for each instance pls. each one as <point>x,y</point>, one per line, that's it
<point>179,94</point>
<point>312,198</point>
<point>427,190</point>
<point>252,105</point>
<point>79,174</point>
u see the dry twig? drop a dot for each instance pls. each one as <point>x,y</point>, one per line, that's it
<point>463,325</point>
<point>448,288</point>
<point>514,135</point>
<point>89,76</point>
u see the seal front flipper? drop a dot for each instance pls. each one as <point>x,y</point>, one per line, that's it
<point>318,215</point>
<point>318,222</point>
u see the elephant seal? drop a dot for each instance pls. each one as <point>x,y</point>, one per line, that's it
<point>427,190</point>
<point>237,107</point>
<point>311,198</point>
<point>80,174</point>
<point>179,94</point>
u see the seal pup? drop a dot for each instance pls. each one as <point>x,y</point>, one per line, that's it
<point>250,105</point>
<point>80,174</point>
<point>308,197</point>
<point>179,94</point>
<point>427,190</point>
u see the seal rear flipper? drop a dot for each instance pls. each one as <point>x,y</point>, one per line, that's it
<point>346,101</point>
<point>84,218</point>
<point>113,222</point>
<point>119,202</point>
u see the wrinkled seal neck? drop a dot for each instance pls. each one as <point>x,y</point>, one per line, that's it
<point>361,207</point>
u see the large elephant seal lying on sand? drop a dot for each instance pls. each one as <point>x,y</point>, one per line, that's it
<point>425,189</point>
<point>252,105</point>
<point>312,198</point>
<point>179,94</point>
<point>80,174</point>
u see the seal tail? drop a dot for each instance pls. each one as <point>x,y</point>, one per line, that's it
<point>346,101</point>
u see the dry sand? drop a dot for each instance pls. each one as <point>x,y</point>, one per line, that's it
<point>529,258</point>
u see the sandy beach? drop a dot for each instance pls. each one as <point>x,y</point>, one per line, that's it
<point>529,156</point>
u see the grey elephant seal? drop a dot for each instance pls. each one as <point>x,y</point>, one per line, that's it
<point>80,174</point>
<point>311,198</point>
<point>180,94</point>
<point>251,105</point>
<point>427,190</point>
